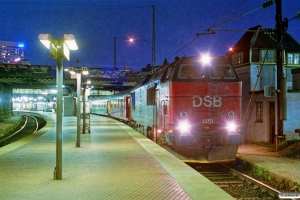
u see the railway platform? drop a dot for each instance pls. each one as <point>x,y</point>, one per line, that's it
<point>113,162</point>
<point>266,162</point>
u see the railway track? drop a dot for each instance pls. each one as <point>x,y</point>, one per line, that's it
<point>238,185</point>
<point>31,123</point>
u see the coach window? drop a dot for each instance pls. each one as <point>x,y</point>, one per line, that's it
<point>259,112</point>
<point>132,96</point>
<point>150,96</point>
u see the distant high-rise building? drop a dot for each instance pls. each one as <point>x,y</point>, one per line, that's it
<point>12,53</point>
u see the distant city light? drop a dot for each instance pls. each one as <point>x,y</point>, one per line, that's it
<point>17,60</point>
<point>21,45</point>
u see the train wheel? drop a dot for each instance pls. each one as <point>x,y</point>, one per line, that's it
<point>150,135</point>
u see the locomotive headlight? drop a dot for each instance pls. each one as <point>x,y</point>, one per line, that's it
<point>231,126</point>
<point>205,59</point>
<point>184,127</point>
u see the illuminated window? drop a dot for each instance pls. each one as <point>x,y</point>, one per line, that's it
<point>293,58</point>
<point>267,56</point>
<point>132,96</point>
<point>259,111</point>
<point>238,58</point>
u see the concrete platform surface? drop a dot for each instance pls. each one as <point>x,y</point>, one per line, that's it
<point>113,162</point>
<point>270,162</point>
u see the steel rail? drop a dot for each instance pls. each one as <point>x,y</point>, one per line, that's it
<point>25,123</point>
<point>270,190</point>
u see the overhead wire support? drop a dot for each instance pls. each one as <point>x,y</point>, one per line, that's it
<point>268,3</point>
<point>296,17</point>
<point>153,40</point>
<point>183,47</point>
<point>207,32</point>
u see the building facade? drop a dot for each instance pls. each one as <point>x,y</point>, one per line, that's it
<point>12,53</point>
<point>254,58</point>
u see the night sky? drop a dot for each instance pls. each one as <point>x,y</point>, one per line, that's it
<point>95,23</point>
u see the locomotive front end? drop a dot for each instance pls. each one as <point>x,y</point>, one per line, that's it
<point>205,112</point>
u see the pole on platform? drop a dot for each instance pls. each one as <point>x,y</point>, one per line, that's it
<point>59,103</point>
<point>78,108</point>
<point>83,107</point>
<point>59,49</point>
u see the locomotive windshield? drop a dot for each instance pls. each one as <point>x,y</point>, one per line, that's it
<point>221,72</point>
<point>213,72</point>
<point>191,71</point>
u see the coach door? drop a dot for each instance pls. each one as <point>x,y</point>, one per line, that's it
<point>127,106</point>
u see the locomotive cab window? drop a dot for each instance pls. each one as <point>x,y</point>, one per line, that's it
<point>191,71</point>
<point>221,72</point>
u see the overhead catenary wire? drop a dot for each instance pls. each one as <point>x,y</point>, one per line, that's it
<point>208,31</point>
<point>215,24</point>
<point>235,18</point>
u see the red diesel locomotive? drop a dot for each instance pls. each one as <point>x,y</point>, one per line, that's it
<point>191,107</point>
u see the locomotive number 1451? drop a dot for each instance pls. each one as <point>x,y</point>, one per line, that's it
<point>207,121</point>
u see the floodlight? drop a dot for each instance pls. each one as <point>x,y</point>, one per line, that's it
<point>71,70</point>
<point>85,71</point>
<point>46,39</point>
<point>70,41</point>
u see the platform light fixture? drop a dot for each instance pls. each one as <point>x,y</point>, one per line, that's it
<point>85,71</point>
<point>72,70</point>
<point>70,41</point>
<point>59,49</point>
<point>78,72</point>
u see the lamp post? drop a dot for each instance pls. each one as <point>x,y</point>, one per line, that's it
<point>78,73</point>
<point>59,49</point>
